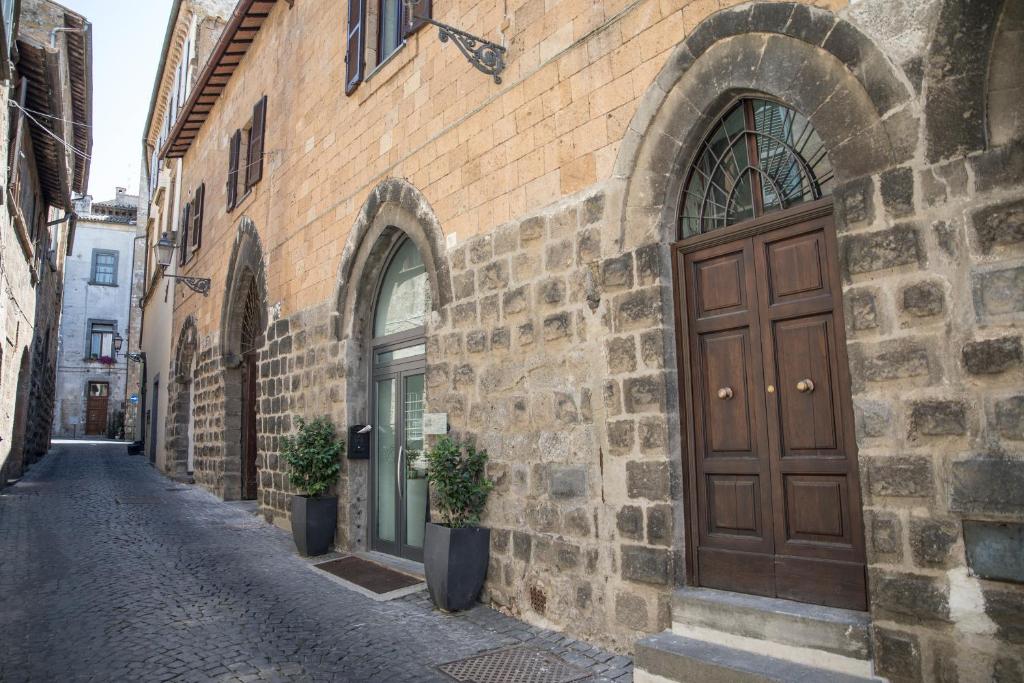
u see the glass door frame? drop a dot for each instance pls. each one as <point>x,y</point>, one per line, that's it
<point>398,371</point>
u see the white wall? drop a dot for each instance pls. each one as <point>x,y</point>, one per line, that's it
<point>83,302</point>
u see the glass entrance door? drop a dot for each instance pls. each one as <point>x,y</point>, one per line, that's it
<point>399,482</point>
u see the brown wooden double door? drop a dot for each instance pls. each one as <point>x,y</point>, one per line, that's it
<point>773,468</point>
<point>96,407</point>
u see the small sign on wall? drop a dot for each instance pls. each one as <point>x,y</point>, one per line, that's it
<point>74,420</point>
<point>435,424</point>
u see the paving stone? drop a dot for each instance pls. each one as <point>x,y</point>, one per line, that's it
<point>187,588</point>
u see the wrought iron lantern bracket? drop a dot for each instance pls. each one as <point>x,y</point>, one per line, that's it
<point>485,56</point>
<point>200,285</point>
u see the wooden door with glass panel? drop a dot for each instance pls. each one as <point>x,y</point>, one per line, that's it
<point>774,490</point>
<point>96,408</point>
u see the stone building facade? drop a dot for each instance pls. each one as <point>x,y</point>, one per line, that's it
<point>92,390</point>
<point>192,29</point>
<point>46,139</point>
<point>564,330</point>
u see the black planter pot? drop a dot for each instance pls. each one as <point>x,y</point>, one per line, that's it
<point>313,523</point>
<point>455,562</point>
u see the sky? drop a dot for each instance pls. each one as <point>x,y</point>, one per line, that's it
<point>127,37</point>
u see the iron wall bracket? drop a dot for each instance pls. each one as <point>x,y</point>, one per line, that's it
<point>485,56</point>
<point>200,285</point>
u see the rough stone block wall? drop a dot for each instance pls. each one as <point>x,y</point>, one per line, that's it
<point>556,351</point>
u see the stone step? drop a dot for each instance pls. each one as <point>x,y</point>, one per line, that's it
<point>813,635</point>
<point>666,657</point>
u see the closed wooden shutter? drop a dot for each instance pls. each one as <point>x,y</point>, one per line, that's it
<point>197,216</point>
<point>356,45</point>
<point>233,154</point>
<point>183,250</point>
<point>254,167</point>
<point>411,21</point>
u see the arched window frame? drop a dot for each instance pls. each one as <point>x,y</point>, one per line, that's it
<point>405,338</point>
<point>808,158</point>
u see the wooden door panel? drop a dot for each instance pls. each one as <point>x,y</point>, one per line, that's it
<point>720,285</point>
<point>796,266</point>
<point>817,509</point>
<point>734,505</point>
<point>804,351</point>
<point>726,394</point>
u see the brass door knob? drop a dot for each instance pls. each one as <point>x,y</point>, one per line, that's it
<point>804,386</point>
<point>725,393</point>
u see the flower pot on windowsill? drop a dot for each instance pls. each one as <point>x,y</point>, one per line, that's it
<point>455,563</point>
<point>314,519</point>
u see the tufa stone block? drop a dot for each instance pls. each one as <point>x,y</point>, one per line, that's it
<point>999,225</point>
<point>987,484</point>
<point>897,186</point>
<point>992,356</point>
<point>650,480</point>
<point>938,418</point>
<point>897,655</point>
<point>903,476</point>
<point>1010,418</point>
<point>882,250</point>
<point>924,299</point>
<point>630,522</point>
<point>998,292</point>
<point>646,565</point>
<point>910,595</point>
<point>931,540</point>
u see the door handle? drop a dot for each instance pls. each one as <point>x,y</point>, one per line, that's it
<point>725,393</point>
<point>805,386</point>
<point>398,470</point>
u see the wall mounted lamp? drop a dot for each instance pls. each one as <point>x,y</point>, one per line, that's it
<point>165,253</point>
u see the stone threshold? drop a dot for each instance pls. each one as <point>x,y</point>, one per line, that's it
<point>836,640</point>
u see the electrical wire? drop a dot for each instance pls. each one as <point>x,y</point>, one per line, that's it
<point>14,103</point>
<point>53,135</point>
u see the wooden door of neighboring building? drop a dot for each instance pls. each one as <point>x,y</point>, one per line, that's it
<point>96,408</point>
<point>775,496</point>
<point>250,472</point>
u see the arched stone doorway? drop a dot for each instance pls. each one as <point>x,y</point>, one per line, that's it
<point>243,323</point>
<point>773,486</point>
<point>860,107</point>
<point>395,229</point>
<point>181,437</point>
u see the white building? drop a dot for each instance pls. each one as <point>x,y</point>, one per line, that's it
<point>91,370</point>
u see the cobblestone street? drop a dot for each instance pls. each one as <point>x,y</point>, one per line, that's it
<point>110,572</point>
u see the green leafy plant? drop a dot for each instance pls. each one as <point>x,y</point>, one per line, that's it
<point>460,487</point>
<point>313,456</point>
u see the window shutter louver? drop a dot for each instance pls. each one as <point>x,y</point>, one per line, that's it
<point>183,250</point>
<point>411,24</point>
<point>355,46</point>
<point>197,216</point>
<point>254,169</point>
<point>236,148</point>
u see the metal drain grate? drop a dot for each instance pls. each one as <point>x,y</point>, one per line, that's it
<point>520,664</point>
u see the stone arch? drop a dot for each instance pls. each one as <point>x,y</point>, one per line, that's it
<point>1005,91</point>
<point>180,405</point>
<point>813,61</point>
<point>394,210</point>
<point>246,268</point>
<point>955,76</point>
<point>247,272</point>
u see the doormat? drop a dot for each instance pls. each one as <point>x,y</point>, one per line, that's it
<point>370,575</point>
<point>519,664</point>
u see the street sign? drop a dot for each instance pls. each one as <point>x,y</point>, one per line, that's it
<point>134,398</point>
<point>435,423</point>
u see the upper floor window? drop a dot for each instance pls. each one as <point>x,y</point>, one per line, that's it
<point>389,32</point>
<point>376,33</point>
<point>760,157</point>
<point>245,157</point>
<point>104,268</point>
<point>101,339</point>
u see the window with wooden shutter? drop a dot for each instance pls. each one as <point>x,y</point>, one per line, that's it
<point>197,216</point>
<point>254,165</point>
<point>233,154</point>
<point>413,21</point>
<point>183,250</point>
<point>355,45</point>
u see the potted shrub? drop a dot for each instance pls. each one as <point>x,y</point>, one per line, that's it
<point>456,551</point>
<point>313,457</point>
